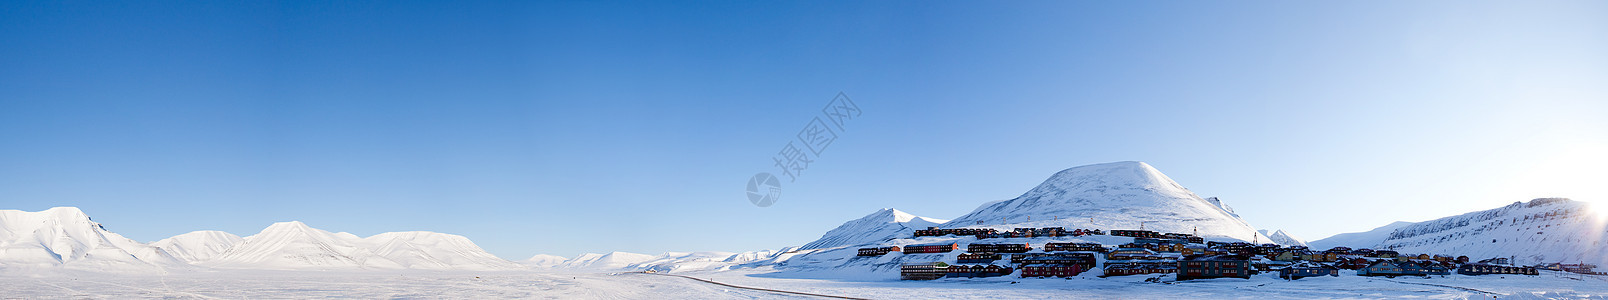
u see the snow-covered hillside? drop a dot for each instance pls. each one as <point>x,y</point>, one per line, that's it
<point>198,246</point>
<point>1358,240</point>
<point>1543,230</point>
<point>1120,195</point>
<point>64,237</point>
<point>294,245</point>
<point>883,225</point>
<point>1282,238</point>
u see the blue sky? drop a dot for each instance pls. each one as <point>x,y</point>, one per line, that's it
<point>571,127</point>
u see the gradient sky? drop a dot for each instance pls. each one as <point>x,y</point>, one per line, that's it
<point>571,127</point>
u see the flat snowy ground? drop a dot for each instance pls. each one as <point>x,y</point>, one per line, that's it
<point>540,285</point>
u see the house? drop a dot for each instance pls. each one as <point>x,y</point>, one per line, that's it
<point>1188,238</point>
<point>1136,233</point>
<point>1036,232</point>
<point>934,248</point>
<point>1393,268</point>
<point>1214,266</point>
<point>998,248</point>
<point>1267,249</point>
<point>935,231</point>
<point>978,271</point>
<point>923,271</point>
<point>878,251</point>
<point>1320,257</point>
<point>1088,247</point>
<point>1235,248</point>
<point>1303,271</point>
<point>977,258</point>
<point>1385,254</point>
<point>1132,253</point>
<point>1495,261</point>
<point>1487,269</point>
<point>1431,268</point>
<point>1365,252</point>
<point>1193,250</point>
<point>1269,265</point>
<point>1285,256</point>
<point>1580,268</point>
<point>1084,259</point>
<point>1339,250</point>
<point>1353,264</point>
<point>1139,269</point>
<point>1052,270</point>
<point>1443,258</point>
<point>1383,267</point>
<point>1162,247</point>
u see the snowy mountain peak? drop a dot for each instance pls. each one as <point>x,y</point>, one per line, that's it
<point>1119,195</point>
<point>1282,238</point>
<point>65,237</point>
<point>882,225</point>
<point>287,227</point>
<point>544,261</point>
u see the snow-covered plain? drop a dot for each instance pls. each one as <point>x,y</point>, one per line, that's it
<point>261,284</point>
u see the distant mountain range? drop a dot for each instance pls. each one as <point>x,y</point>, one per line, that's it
<point>1121,195</point>
<point>66,238</point>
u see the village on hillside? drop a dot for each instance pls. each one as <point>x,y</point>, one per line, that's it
<point>1187,256</point>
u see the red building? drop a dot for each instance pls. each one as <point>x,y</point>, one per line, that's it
<point>936,248</point>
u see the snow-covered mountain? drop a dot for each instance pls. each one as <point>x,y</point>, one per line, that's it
<point>1120,195</point>
<point>198,246</point>
<point>1358,240</point>
<point>611,261</point>
<point>882,225</point>
<point>1543,230</point>
<point>64,237</point>
<point>294,245</point>
<point>543,261</point>
<point>1282,238</point>
<point>435,251</point>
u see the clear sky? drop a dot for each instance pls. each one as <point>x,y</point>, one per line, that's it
<point>570,127</point>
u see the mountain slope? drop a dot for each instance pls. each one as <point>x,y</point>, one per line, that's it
<point>64,237</point>
<point>882,225</point>
<point>1543,230</point>
<point>1120,195</point>
<point>1358,240</point>
<point>198,246</point>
